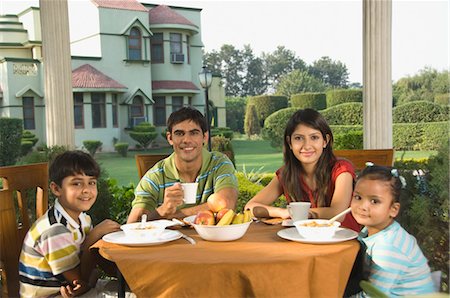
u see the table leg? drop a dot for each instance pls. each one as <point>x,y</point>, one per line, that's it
<point>122,284</point>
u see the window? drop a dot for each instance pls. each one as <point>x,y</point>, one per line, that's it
<point>175,43</point>
<point>137,111</point>
<point>28,113</point>
<point>115,111</point>
<point>188,49</point>
<point>78,108</point>
<point>98,104</point>
<point>134,44</point>
<point>157,48</point>
<point>177,103</point>
<point>159,111</point>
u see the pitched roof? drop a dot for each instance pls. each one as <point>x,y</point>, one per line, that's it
<point>163,14</point>
<point>87,76</point>
<point>171,85</point>
<point>120,4</point>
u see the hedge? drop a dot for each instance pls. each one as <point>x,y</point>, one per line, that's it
<point>144,133</point>
<point>224,145</point>
<point>419,111</point>
<point>339,96</point>
<point>92,146</point>
<point>350,140</point>
<point>235,107</point>
<point>442,99</point>
<point>313,100</point>
<point>350,113</point>
<point>266,105</point>
<point>11,130</point>
<point>247,190</point>
<point>122,148</point>
<point>274,126</point>
<point>222,131</point>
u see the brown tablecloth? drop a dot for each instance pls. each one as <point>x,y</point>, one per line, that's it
<point>260,264</point>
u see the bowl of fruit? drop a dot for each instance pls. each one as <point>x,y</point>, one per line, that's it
<point>224,225</point>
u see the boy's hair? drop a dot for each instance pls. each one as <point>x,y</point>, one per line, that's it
<point>186,113</point>
<point>386,174</point>
<point>71,163</point>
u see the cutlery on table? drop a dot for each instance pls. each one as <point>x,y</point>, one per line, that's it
<point>333,219</point>
<point>189,239</point>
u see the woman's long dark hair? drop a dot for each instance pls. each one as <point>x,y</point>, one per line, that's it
<point>292,166</point>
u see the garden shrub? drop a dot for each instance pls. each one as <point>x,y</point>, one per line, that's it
<point>247,190</point>
<point>340,96</point>
<point>344,114</point>
<point>344,129</point>
<point>144,133</point>
<point>349,140</point>
<point>223,144</point>
<point>266,105</point>
<point>434,134</point>
<point>251,121</point>
<point>29,136</point>
<point>122,196</point>
<point>25,147</point>
<point>222,131</point>
<point>235,107</point>
<point>312,100</point>
<point>442,99</point>
<point>92,146</point>
<point>11,130</point>
<point>419,136</point>
<point>266,178</point>
<point>419,111</point>
<point>274,126</point>
<point>122,148</point>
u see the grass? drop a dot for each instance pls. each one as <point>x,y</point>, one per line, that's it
<point>249,154</point>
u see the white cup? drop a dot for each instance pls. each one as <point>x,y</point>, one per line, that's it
<point>190,192</point>
<point>298,210</point>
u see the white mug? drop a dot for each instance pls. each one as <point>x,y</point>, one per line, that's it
<point>190,192</point>
<point>298,210</point>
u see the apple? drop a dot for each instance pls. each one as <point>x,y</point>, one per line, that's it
<point>216,203</point>
<point>205,217</point>
<point>221,213</point>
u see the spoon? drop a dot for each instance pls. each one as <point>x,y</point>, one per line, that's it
<point>333,219</point>
<point>143,220</point>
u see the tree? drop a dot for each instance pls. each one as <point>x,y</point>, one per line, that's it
<point>255,81</point>
<point>332,73</point>
<point>297,82</point>
<point>251,121</point>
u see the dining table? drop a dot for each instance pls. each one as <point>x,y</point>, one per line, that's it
<point>260,264</point>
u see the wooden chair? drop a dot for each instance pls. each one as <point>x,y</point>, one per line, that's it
<point>23,195</point>
<point>145,161</point>
<point>382,157</point>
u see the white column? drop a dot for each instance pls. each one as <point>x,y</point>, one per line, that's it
<point>57,73</point>
<point>377,74</point>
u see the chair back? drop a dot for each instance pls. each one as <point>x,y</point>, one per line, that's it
<point>145,161</point>
<point>381,157</point>
<point>23,199</point>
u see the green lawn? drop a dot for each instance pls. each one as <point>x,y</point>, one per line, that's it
<point>251,154</point>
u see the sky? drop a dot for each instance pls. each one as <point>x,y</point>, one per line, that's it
<point>313,29</point>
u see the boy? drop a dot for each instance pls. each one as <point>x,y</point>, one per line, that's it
<point>55,254</point>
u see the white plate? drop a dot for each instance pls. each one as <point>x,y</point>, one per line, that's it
<point>341,235</point>
<point>121,238</point>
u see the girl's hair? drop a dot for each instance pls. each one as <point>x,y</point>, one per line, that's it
<point>386,174</point>
<point>293,168</point>
<point>71,163</point>
<point>187,113</point>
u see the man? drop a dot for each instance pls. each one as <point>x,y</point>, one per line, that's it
<point>159,193</point>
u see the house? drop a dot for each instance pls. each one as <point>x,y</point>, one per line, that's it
<point>131,62</point>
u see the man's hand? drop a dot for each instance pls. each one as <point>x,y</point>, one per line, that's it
<point>173,197</point>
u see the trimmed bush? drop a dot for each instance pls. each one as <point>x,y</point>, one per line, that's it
<point>313,100</point>
<point>11,130</point>
<point>442,99</point>
<point>222,131</point>
<point>339,96</point>
<point>251,122</point>
<point>25,147</point>
<point>275,125</point>
<point>122,196</point>
<point>247,190</point>
<point>419,111</point>
<point>344,114</point>
<point>223,144</point>
<point>266,105</point>
<point>122,148</point>
<point>235,107</point>
<point>350,140</point>
<point>144,134</point>
<point>92,146</point>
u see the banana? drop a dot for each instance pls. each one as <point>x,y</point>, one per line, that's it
<point>238,219</point>
<point>226,219</point>
<point>248,215</point>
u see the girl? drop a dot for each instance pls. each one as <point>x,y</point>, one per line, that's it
<point>395,263</point>
<point>310,173</point>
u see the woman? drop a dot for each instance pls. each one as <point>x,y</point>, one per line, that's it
<point>310,173</point>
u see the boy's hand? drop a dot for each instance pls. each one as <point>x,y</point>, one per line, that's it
<point>77,288</point>
<point>105,227</point>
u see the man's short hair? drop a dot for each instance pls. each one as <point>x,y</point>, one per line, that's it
<point>70,163</point>
<point>186,113</point>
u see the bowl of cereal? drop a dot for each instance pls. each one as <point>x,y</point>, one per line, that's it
<point>316,228</point>
<point>143,229</point>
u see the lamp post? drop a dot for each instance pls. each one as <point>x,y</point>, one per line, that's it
<point>205,77</point>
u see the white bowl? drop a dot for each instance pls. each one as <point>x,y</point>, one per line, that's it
<point>222,233</point>
<point>144,230</point>
<point>316,228</point>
